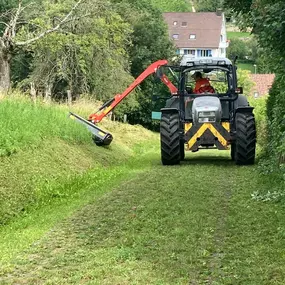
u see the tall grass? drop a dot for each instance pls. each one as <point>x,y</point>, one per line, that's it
<point>26,124</point>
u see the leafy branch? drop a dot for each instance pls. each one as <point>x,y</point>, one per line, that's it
<point>9,34</point>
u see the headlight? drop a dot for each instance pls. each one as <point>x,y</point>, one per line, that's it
<point>207,114</point>
<point>207,117</point>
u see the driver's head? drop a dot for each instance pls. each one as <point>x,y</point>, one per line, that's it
<point>197,75</point>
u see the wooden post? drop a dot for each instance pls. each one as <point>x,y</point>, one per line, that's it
<point>48,88</point>
<point>69,98</point>
<point>125,118</point>
<point>33,92</point>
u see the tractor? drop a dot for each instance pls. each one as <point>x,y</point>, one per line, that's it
<point>216,118</point>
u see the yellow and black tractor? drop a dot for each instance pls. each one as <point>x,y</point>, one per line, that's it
<point>212,115</point>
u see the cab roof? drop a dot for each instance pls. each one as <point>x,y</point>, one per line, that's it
<point>189,60</point>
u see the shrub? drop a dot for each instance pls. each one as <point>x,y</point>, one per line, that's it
<point>260,118</point>
<point>275,147</point>
<point>238,48</point>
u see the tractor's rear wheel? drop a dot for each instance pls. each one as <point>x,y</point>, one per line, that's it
<point>170,142</point>
<point>245,139</point>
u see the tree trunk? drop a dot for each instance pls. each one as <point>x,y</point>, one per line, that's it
<point>5,80</point>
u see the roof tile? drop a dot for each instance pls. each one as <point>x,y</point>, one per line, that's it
<point>263,83</point>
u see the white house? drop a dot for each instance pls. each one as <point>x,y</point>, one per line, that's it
<point>198,34</point>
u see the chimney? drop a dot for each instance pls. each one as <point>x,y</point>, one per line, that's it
<point>219,12</point>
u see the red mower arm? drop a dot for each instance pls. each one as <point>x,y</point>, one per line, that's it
<point>112,103</point>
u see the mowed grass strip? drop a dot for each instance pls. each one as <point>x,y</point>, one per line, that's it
<point>58,199</point>
<point>190,224</point>
<point>246,66</point>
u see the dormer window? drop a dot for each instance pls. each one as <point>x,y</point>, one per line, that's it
<point>192,37</point>
<point>184,24</point>
<point>175,36</point>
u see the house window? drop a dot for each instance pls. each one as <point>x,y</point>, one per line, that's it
<point>175,23</point>
<point>175,36</point>
<point>184,24</point>
<point>221,38</point>
<point>204,52</point>
<point>189,51</point>
<point>178,51</point>
<point>192,37</point>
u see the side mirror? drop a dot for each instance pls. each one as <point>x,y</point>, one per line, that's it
<point>239,90</point>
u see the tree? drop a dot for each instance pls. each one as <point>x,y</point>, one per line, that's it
<point>150,42</point>
<point>89,56</point>
<point>238,48</point>
<point>172,6</point>
<point>267,19</point>
<point>245,81</point>
<point>10,43</point>
<point>208,5</point>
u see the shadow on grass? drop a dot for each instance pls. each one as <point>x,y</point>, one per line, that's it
<point>201,158</point>
<point>210,159</point>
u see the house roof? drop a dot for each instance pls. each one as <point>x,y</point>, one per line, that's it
<point>206,26</point>
<point>263,83</point>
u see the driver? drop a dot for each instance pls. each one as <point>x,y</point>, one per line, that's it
<point>202,84</point>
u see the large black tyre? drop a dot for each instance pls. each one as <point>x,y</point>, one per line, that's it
<point>245,139</point>
<point>170,142</point>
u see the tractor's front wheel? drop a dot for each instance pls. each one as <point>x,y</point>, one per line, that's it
<point>170,142</point>
<point>245,139</point>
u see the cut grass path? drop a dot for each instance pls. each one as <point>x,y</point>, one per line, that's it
<point>190,224</point>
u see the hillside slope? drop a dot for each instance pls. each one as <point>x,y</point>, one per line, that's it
<point>41,150</point>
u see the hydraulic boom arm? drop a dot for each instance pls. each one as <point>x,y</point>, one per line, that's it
<point>112,103</point>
